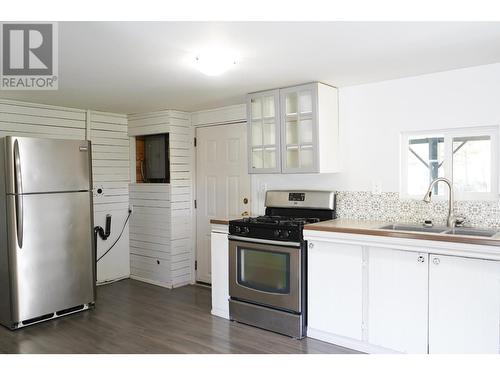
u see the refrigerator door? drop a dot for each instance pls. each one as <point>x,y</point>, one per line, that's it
<point>54,268</point>
<point>36,165</point>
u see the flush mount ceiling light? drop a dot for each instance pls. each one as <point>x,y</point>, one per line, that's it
<point>214,62</point>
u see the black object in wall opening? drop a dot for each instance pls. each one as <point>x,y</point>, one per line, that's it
<point>156,165</point>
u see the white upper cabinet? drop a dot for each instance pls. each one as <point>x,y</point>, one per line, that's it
<point>264,132</point>
<point>294,130</point>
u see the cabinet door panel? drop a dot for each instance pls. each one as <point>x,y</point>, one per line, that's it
<point>220,274</point>
<point>263,132</point>
<point>397,295</point>
<point>464,305</point>
<point>299,128</point>
<point>335,289</point>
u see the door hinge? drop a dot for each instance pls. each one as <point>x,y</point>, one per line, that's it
<point>195,265</point>
<point>195,204</point>
<point>194,141</point>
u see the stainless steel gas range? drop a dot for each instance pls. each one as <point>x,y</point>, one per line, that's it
<point>268,261</point>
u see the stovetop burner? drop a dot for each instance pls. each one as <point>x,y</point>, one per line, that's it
<point>286,214</point>
<point>280,220</point>
<point>283,228</point>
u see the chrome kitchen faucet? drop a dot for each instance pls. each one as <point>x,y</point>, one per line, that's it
<point>451,221</point>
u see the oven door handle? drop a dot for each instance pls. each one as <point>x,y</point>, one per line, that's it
<point>268,242</point>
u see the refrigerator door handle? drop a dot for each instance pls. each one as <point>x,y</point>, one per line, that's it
<point>19,195</point>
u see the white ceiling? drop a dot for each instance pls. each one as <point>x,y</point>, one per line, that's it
<point>131,67</point>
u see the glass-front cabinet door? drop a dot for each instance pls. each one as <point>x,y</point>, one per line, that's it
<point>266,271</point>
<point>298,126</point>
<point>264,132</point>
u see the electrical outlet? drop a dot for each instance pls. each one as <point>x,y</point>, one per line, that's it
<point>376,187</point>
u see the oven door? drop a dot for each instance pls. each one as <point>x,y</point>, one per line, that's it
<point>265,272</point>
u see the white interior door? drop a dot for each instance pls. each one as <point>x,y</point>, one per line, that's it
<point>222,184</point>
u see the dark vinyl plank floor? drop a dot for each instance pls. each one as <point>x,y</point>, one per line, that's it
<point>135,317</point>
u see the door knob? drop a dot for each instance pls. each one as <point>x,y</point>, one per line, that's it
<point>421,259</point>
<point>245,200</point>
<point>244,213</point>
<point>436,261</point>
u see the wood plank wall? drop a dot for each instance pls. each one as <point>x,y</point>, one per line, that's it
<point>110,160</point>
<point>168,263</point>
<point>111,173</point>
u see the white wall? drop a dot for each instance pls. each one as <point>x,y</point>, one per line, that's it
<point>161,233</point>
<point>111,173</point>
<point>108,133</point>
<point>372,116</point>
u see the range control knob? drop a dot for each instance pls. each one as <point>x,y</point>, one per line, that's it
<point>245,230</point>
<point>277,233</point>
<point>286,234</point>
<point>237,229</point>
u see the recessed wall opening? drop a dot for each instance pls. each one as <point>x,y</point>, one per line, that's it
<point>152,158</point>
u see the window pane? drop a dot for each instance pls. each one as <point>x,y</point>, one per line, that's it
<point>305,101</point>
<point>472,164</point>
<point>268,106</point>
<point>425,163</point>
<point>269,133</point>
<point>257,161</point>
<point>270,158</point>
<point>291,103</point>
<point>264,270</point>
<point>292,134</point>
<point>256,108</point>
<point>256,133</point>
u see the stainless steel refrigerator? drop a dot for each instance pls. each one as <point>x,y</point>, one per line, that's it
<point>47,258</point>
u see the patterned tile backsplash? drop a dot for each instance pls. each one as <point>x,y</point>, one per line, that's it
<point>362,205</point>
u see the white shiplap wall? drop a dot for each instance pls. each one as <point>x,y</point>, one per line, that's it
<point>161,236</point>
<point>37,120</point>
<point>108,133</point>
<point>111,173</point>
<point>150,234</point>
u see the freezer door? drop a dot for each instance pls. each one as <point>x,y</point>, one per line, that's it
<point>37,165</point>
<point>53,270</point>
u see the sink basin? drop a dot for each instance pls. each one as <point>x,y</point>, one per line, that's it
<point>460,231</point>
<point>472,232</point>
<point>414,228</point>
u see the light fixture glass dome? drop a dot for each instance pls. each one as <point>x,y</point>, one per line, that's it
<point>214,61</point>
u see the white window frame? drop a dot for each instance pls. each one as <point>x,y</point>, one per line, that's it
<point>448,135</point>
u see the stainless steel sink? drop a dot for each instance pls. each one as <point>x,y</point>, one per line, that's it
<point>414,228</point>
<point>459,231</point>
<point>472,232</point>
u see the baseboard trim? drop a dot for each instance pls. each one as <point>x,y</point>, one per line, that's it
<point>347,342</point>
<point>154,282</point>
<point>106,282</point>
<point>221,313</point>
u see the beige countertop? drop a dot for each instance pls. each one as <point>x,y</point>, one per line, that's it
<point>373,228</point>
<point>220,221</point>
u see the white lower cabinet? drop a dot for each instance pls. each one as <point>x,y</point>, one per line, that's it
<point>334,290</point>
<point>378,298</point>
<point>397,299</point>
<point>464,305</point>
<point>220,273</point>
